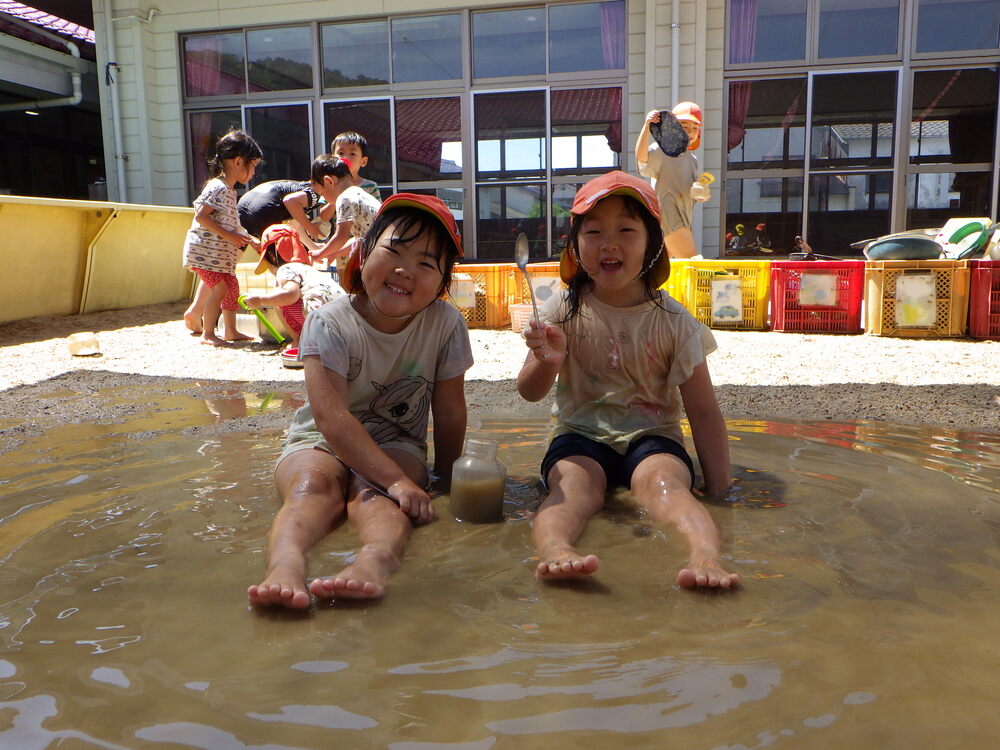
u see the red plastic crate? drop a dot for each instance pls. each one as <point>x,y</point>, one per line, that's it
<point>843,315</point>
<point>984,300</point>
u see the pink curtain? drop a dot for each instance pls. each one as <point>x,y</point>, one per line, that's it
<point>202,66</point>
<point>742,35</point>
<point>613,35</point>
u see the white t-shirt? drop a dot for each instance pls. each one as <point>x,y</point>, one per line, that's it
<point>205,249</point>
<point>318,287</point>
<point>359,208</point>
<point>672,177</point>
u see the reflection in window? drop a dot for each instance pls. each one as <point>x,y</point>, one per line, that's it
<point>851,29</point>
<point>950,25</point>
<point>587,36</point>
<point>284,137</point>
<point>510,135</point>
<point>767,30</point>
<point>508,43</point>
<point>355,54</point>
<point>586,129</point>
<point>280,59</point>
<point>454,199</point>
<point>372,120</point>
<point>428,139</point>
<point>767,123</point>
<point>954,116</point>
<point>205,129</point>
<point>504,212</point>
<point>427,48</point>
<point>853,117</point>
<point>768,208</point>
<point>933,198</point>
<point>214,65</point>
<point>845,208</point>
<point>562,201</point>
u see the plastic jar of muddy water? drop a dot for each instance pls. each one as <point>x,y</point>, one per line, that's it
<point>477,481</point>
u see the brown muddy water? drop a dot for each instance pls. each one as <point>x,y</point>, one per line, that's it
<point>867,618</point>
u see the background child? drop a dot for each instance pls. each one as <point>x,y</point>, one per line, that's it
<point>626,356</point>
<point>216,239</point>
<point>278,201</point>
<point>375,364</point>
<point>299,288</point>
<point>355,211</point>
<point>673,177</point>
<point>354,148</point>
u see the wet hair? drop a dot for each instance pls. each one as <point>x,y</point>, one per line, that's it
<point>410,224</point>
<point>654,246</point>
<point>349,136</point>
<point>328,164</point>
<point>232,145</point>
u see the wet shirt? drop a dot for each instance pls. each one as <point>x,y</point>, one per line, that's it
<point>624,367</point>
<point>205,249</point>
<point>264,205</point>
<point>390,376</point>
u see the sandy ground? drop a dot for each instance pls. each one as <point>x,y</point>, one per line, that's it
<point>952,383</point>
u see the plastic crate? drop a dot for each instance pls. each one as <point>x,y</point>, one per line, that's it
<point>946,316</point>
<point>251,282</point>
<point>520,314</point>
<point>821,296</point>
<point>544,278</point>
<point>495,290</point>
<point>694,290</point>
<point>674,285</point>
<point>984,300</point>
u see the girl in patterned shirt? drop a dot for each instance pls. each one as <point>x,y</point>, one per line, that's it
<point>216,238</point>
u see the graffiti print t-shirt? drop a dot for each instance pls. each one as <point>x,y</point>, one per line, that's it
<point>390,376</point>
<point>624,367</point>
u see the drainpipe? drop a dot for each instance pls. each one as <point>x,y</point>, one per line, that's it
<point>675,52</point>
<point>63,101</point>
<point>119,155</point>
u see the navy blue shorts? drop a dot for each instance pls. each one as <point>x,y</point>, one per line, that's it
<point>617,468</point>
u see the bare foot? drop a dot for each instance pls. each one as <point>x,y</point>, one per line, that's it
<point>363,579</point>
<point>239,337</point>
<point>193,322</point>
<point>212,340</point>
<point>283,587</point>
<point>706,574</point>
<point>563,563</point>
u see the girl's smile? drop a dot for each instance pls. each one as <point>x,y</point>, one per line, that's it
<point>612,246</point>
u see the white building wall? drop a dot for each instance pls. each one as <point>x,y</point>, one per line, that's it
<point>149,82</point>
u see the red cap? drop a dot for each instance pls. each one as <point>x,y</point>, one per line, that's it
<point>613,183</point>
<point>692,113</point>
<point>429,204</point>
<point>287,244</point>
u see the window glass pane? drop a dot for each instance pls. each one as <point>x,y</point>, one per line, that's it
<point>767,123</point>
<point>562,202</point>
<point>954,116</point>
<point>214,65</point>
<point>355,54</point>
<point>371,119</point>
<point>204,129</point>
<point>853,117</point>
<point>504,212</point>
<point>932,199</point>
<point>280,59</point>
<point>283,135</point>
<point>508,43</point>
<point>510,135</point>
<point>845,208</point>
<point>454,199</point>
<point>946,25</point>
<point>763,212</point>
<point>857,28</point>
<point>767,30</point>
<point>587,36</point>
<point>427,48</point>
<point>586,130</point>
<point>429,139</point>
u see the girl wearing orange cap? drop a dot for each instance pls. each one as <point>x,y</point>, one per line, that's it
<point>377,364</point>
<point>628,360</point>
<point>673,177</point>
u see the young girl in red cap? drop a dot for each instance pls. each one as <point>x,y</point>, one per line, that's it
<point>376,363</point>
<point>628,359</point>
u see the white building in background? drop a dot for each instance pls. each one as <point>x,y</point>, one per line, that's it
<point>831,119</point>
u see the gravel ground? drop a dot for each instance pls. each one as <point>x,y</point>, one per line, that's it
<point>952,383</point>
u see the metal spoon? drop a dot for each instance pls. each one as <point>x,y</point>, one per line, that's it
<point>521,256</point>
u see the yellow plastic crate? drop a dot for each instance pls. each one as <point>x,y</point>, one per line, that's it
<point>693,287</point>
<point>495,289</point>
<point>544,277</point>
<point>251,282</point>
<point>885,314</point>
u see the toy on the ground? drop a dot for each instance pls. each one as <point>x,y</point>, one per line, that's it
<point>263,320</point>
